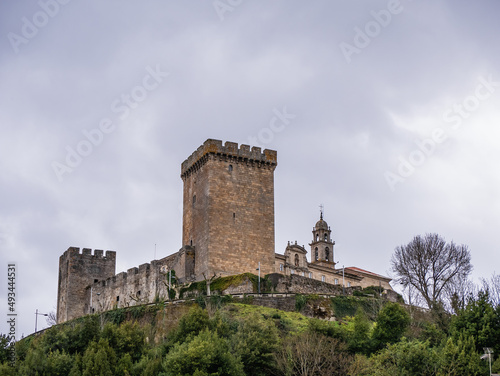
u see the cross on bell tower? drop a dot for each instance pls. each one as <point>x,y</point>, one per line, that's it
<point>322,244</point>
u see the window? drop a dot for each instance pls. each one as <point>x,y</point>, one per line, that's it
<point>194,199</point>
<point>348,284</point>
<point>326,237</point>
<point>118,298</point>
<point>281,267</point>
<point>296,260</point>
<point>230,168</point>
<point>317,237</point>
<point>327,254</point>
<point>310,275</point>
<point>322,278</point>
<point>336,281</point>
<point>292,271</point>
<point>303,274</point>
<point>139,293</point>
<point>316,253</point>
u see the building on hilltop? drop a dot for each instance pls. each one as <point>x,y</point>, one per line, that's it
<point>322,266</point>
<point>227,229</point>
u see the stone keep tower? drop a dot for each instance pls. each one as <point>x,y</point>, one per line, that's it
<point>228,208</point>
<point>322,244</point>
<point>77,271</point>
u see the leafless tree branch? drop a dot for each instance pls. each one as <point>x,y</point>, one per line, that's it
<point>430,266</point>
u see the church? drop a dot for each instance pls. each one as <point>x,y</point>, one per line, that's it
<point>228,229</point>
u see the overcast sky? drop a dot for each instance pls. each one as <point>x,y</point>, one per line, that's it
<point>385,112</point>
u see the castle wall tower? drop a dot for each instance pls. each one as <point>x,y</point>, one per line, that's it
<point>322,244</point>
<point>228,208</point>
<point>76,272</point>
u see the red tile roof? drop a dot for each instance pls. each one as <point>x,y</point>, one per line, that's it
<point>354,269</point>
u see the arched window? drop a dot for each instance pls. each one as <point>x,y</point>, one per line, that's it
<point>296,260</point>
<point>316,253</point>
<point>326,237</point>
<point>317,237</point>
<point>327,254</point>
<point>230,168</point>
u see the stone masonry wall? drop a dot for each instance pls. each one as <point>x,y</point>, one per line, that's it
<point>136,286</point>
<point>76,272</point>
<point>229,208</point>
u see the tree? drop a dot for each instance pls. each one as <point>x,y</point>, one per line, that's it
<point>459,357</point>
<point>5,348</point>
<point>51,318</point>
<point>127,338</point>
<point>430,265</point>
<point>204,354</point>
<point>391,324</point>
<point>480,321</point>
<point>99,359</point>
<point>255,343</point>
<point>313,354</point>
<point>359,340</point>
<point>191,324</point>
<point>404,359</point>
<point>493,287</point>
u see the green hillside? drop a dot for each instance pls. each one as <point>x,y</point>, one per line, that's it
<point>224,336</point>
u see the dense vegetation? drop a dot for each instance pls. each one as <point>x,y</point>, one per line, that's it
<point>215,337</point>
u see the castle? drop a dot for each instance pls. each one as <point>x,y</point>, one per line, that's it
<point>228,229</point>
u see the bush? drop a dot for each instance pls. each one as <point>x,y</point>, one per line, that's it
<point>125,339</point>
<point>204,354</point>
<point>460,357</point>
<point>255,343</point>
<point>313,354</point>
<point>391,324</point>
<point>359,340</point>
<point>191,324</point>
<point>406,358</point>
<point>99,359</point>
<point>300,302</point>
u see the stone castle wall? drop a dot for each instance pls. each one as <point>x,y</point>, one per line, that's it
<point>228,228</point>
<point>136,286</point>
<point>228,205</point>
<point>76,272</point>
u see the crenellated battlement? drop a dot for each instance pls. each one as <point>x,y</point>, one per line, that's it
<point>77,270</point>
<point>86,253</point>
<point>143,271</point>
<point>230,150</point>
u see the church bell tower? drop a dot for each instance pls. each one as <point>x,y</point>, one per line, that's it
<point>322,244</point>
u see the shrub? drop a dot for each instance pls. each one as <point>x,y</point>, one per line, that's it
<point>204,354</point>
<point>391,324</point>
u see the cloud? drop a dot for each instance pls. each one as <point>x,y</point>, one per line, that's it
<point>352,122</point>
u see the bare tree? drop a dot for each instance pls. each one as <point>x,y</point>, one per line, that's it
<point>51,318</point>
<point>311,354</point>
<point>457,293</point>
<point>430,265</point>
<point>493,287</point>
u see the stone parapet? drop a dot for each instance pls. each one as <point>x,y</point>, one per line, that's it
<point>230,150</point>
